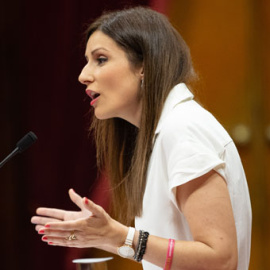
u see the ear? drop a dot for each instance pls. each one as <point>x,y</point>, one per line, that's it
<point>142,73</point>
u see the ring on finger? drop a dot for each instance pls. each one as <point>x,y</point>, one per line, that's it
<point>71,237</point>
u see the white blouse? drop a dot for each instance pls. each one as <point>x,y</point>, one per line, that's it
<point>189,143</point>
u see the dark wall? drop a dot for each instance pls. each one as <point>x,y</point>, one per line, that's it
<point>41,57</point>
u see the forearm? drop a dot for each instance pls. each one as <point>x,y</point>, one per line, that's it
<point>187,254</point>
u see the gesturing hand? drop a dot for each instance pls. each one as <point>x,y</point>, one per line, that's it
<point>47,215</point>
<point>91,226</point>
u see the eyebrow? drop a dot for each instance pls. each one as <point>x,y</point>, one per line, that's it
<point>95,50</point>
<point>99,48</point>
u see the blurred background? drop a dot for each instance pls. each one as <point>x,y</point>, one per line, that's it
<point>42,53</point>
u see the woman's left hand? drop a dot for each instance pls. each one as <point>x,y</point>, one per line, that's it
<point>91,226</point>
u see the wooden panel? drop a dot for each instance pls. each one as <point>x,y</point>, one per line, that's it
<point>264,19</point>
<point>217,34</point>
<point>229,42</point>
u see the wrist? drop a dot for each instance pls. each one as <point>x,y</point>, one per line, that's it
<point>141,245</point>
<point>126,249</point>
<point>114,237</point>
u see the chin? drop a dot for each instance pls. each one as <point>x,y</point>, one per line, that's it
<point>101,116</point>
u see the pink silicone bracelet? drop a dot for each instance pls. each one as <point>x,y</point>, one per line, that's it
<point>169,254</point>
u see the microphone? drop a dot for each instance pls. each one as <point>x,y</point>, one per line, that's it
<point>23,144</point>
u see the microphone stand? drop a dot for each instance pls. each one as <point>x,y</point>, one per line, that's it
<point>21,146</point>
<point>11,155</point>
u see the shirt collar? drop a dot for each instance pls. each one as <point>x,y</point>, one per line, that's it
<point>178,94</point>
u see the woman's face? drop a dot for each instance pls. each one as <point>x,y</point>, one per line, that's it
<point>111,81</point>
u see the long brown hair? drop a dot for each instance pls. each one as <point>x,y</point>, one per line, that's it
<point>123,150</point>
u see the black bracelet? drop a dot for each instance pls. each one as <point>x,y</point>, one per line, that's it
<point>143,237</point>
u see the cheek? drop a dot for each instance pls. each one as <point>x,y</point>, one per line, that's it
<point>119,81</point>
<point>109,81</point>
<point>130,97</point>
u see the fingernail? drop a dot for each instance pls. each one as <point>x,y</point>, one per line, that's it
<point>85,200</point>
<point>47,226</point>
<point>41,231</point>
<point>50,243</point>
<point>44,238</point>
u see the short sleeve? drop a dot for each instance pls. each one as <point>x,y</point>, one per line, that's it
<point>190,155</point>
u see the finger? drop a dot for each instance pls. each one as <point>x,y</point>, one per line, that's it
<point>57,233</point>
<point>64,225</point>
<point>39,227</point>
<point>51,212</point>
<point>42,220</point>
<point>56,241</point>
<point>77,199</point>
<point>96,210</point>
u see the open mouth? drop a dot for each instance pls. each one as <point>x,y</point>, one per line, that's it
<point>94,95</point>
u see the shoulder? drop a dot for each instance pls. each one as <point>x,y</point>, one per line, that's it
<point>189,123</point>
<point>189,117</point>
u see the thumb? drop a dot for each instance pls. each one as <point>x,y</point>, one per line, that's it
<point>96,210</point>
<point>77,199</point>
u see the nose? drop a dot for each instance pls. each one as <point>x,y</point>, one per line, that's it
<point>86,76</point>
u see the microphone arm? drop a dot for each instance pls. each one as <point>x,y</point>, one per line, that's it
<point>11,155</point>
<point>21,146</point>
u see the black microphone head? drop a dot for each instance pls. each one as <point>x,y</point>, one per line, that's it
<point>26,141</point>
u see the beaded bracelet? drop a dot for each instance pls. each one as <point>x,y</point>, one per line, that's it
<point>143,237</point>
<point>169,258</point>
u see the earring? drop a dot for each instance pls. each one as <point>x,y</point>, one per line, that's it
<point>142,81</point>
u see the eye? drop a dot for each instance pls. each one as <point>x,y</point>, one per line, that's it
<point>101,60</point>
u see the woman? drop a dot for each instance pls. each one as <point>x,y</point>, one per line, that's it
<point>171,165</point>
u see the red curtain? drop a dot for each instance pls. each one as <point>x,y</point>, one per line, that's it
<point>160,5</point>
